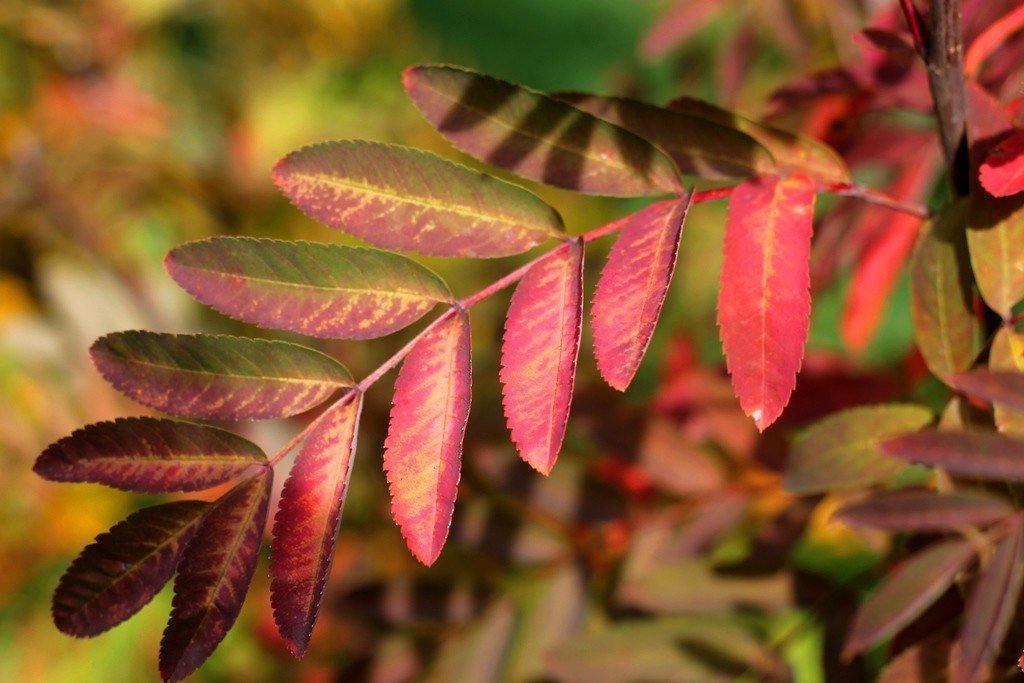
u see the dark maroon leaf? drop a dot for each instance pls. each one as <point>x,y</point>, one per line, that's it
<point>990,606</point>
<point>922,510</point>
<point>149,455</point>
<point>1004,388</point>
<point>306,524</point>
<point>214,576</point>
<point>907,592</point>
<point>984,455</point>
<point>124,568</point>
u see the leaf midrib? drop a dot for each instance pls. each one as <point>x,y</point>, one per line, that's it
<point>270,378</point>
<point>355,291</point>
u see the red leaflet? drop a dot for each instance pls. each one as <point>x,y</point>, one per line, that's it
<point>306,524</point>
<point>1002,173</point>
<point>990,606</point>
<point>214,576</point>
<point>538,354</point>
<point>632,288</point>
<point>124,568</point>
<point>149,455</point>
<point>423,450</point>
<point>907,592</point>
<point>923,511</point>
<point>764,303</point>
<point>984,455</point>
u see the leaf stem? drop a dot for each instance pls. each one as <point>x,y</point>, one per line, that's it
<point>913,18</point>
<point>945,63</point>
<point>862,193</point>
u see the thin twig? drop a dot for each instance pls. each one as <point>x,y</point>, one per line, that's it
<point>871,196</point>
<point>913,18</point>
<point>946,79</point>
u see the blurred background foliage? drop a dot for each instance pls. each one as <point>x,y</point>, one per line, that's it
<point>662,547</point>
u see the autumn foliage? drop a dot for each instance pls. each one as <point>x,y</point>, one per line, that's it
<point>795,211</point>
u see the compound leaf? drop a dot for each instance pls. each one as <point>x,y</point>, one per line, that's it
<point>792,153</point>
<point>995,236</point>
<point>1007,355</point>
<point>321,290</point>
<point>942,299</point>
<point>1002,172</point>
<point>306,524</point>
<point>214,576</point>
<point>538,354</point>
<point>149,455</point>
<point>633,286</point>
<point>215,376</point>
<point>764,302</point>
<point>924,511</point>
<point>842,450</point>
<point>119,573</point>
<point>984,455</point>
<point>423,449</point>
<point>994,386</point>
<point>907,592</point>
<point>698,146</point>
<point>536,136</point>
<point>990,606</point>
<point>399,198</point>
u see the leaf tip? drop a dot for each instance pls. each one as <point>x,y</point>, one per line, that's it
<point>409,76</point>
<point>761,419</point>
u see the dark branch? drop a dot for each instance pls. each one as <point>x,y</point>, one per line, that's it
<point>946,78</point>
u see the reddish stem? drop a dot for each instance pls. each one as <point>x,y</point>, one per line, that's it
<point>863,194</point>
<point>914,22</point>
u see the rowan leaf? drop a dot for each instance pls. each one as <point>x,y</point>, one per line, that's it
<point>842,450</point>
<point>995,235</point>
<point>1007,355</point>
<point>990,607</point>
<point>923,511</point>
<point>149,455</point>
<point>792,153</point>
<point>1002,172</point>
<point>423,449</point>
<point>983,455</point>
<point>538,354</point>
<point>321,290</point>
<point>306,523</point>
<point>215,376</point>
<point>906,593</point>
<point>1005,388</point>
<point>119,573</point>
<point>764,302</point>
<point>633,286</point>
<point>699,146</point>
<point>942,298</point>
<point>404,199</point>
<point>537,136</point>
<point>214,576</point>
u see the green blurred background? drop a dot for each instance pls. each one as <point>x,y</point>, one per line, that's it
<point>128,126</point>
